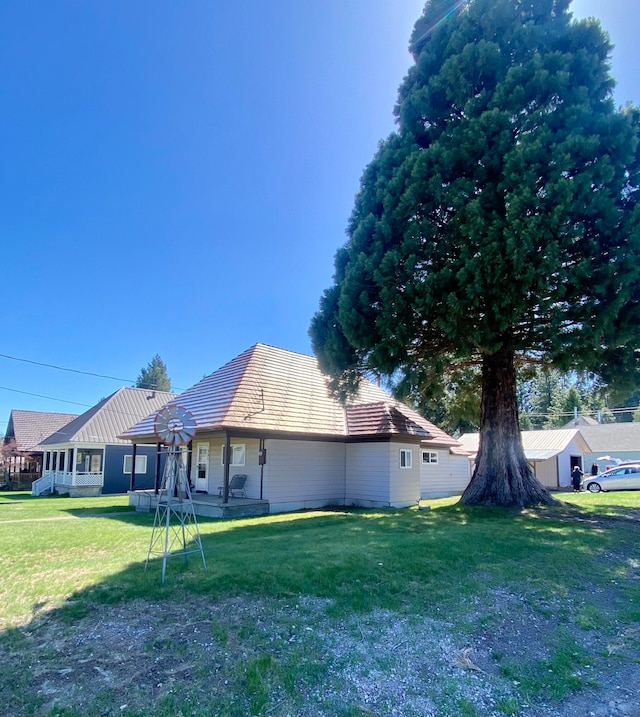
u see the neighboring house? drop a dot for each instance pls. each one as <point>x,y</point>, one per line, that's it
<point>22,461</point>
<point>611,443</point>
<point>551,454</point>
<point>86,457</point>
<point>267,414</point>
<point>581,420</point>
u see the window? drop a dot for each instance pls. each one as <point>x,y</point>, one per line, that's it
<point>429,456</point>
<point>405,458</point>
<point>141,464</point>
<point>237,454</point>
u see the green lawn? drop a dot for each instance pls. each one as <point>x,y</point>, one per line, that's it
<point>53,547</point>
<point>79,554</point>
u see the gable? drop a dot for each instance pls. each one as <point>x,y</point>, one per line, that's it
<point>104,422</point>
<point>29,428</point>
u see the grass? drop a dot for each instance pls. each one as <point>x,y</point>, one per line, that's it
<point>77,554</point>
<point>360,559</point>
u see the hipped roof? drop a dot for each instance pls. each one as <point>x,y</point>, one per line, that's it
<point>29,428</point>
<point>268,389</point>
<point>111,417</point>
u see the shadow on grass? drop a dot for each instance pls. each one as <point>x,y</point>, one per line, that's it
<point>363,559</point>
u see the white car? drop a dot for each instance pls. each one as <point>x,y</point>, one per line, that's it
<point>624,477</point>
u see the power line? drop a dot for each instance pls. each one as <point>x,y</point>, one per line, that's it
<point>50,398</point>
<point>75,370</point>
<point>63,368</point>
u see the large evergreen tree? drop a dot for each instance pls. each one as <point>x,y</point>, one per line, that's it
<point>154,376</point>
<point>499,222</point>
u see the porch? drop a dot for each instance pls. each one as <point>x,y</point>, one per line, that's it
<point>204,504</point>
<point>76,484</point>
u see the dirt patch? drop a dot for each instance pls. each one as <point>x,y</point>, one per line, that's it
<point>298,657</point>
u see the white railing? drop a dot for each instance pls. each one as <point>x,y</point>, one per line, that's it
<point>83,479</point>
<point>42,485</point>
<point>53,478</point>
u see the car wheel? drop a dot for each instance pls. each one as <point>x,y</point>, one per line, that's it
<point>594,487</point>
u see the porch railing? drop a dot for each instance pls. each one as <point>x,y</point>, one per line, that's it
<point>79,479</point>
<point>53,478</point>
<point>42,485</point>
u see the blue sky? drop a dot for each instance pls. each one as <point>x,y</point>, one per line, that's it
<point>177,176</point>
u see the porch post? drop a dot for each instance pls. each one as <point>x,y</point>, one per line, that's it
<point>227,460</point>
<point>132,484</point>
<point>72,467</point>
<point>262,453</point>
<point>157,479</point>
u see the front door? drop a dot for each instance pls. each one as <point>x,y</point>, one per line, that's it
<point>202,468</point>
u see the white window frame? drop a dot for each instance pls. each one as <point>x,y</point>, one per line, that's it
<point>141,464</point>
<point>430,457</point>
<point>202,461</point>
<point>238,455</point>
<point>406,458</point>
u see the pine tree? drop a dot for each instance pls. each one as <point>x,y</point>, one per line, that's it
<point>154,376</point>
<point>498,223</point>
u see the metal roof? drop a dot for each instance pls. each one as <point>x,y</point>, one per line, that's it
<point>538,445</point>
<point>29,428</point>
<point>271,389</point>
<point>107,420</point>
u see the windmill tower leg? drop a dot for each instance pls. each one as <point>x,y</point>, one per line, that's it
<point>175,528</point>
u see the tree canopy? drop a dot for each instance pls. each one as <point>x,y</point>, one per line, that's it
<point>499,223</point>
<point>154,376</point>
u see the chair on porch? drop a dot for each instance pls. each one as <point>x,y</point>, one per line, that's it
<point>236,486</point>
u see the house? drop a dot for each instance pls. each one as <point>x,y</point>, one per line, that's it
<point>267,414</point>
<point>87,457</point>
<point>581,420</point>
<point>26,429</point>
<point>611,443</point>
<point>551,454</point>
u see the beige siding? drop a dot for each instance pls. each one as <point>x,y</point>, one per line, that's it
<point>367,474</point>
<point>304,474</point>
<point>404,482</point>
<point>450,476</point>
<point>546,472</point>
<point>216,470</point>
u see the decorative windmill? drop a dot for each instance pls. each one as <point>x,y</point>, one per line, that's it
<point>175,529</point>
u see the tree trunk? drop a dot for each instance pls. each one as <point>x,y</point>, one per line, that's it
<point>502,475</point>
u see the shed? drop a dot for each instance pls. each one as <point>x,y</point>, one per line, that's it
<point>551,454</point>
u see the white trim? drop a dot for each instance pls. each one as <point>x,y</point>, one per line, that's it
<point>238,455</point>
<point>406,458</point>
<point>202,483</point>
<point>141,464</point>
<point>431,458</point>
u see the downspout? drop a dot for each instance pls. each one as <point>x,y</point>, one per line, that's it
<point>262,459</point>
